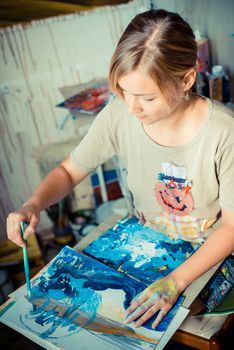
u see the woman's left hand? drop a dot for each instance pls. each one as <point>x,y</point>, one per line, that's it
<point>160,295</point>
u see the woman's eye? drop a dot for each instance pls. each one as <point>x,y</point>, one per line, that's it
<point>149,99</point>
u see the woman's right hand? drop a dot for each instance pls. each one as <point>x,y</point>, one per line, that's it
<point>29,213</point>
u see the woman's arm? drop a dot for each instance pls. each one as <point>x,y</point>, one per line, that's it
<point>162,294</point>
<point>55,186</point>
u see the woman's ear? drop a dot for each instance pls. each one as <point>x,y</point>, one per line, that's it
<point>189,79</point>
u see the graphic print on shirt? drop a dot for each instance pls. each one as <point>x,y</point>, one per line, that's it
<point>173,190</point>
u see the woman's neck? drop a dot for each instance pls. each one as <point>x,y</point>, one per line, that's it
<point>182,126</point>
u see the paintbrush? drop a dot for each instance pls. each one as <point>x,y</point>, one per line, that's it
<point>23,226</point>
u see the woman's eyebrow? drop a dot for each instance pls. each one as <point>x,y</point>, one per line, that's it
<point>149,93</point>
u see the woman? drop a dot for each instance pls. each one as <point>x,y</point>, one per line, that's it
<point>177,148</point>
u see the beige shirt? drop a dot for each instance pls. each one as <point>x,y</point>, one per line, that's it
<point>177,190</point>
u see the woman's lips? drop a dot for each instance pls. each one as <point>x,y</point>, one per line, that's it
<point>141,116</point>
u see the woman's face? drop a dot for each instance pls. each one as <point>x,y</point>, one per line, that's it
<point>144,99</point>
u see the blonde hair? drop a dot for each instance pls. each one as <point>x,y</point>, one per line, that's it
<point>162,45</point>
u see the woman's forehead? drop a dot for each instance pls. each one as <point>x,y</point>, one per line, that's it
<point>137,83</point>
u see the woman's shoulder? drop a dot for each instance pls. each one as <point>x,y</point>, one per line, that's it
<point>221,120</point>
<point>117,105</point>
<point>113,118</point>
<point>221,125</point>
<point>116,112</point>
<point>111,113</point>
<point>221,112</point>
<point>114,109</point>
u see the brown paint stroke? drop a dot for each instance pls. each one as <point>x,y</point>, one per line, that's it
<point>101,324</point>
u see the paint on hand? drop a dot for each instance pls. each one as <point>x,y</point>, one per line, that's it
<point>158,297</point>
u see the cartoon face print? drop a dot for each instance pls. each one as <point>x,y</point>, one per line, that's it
<point>173,200</point>
<point>172,191</point>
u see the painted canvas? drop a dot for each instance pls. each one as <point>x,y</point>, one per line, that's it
<point>76,298</point>
<point>89,101</point>
<point>53,332</point>
<point>139,251</point>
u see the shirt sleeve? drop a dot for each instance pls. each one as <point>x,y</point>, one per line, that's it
<point>98,145</point>
<point>226,178</point>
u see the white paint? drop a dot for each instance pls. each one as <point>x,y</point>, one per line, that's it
<point>146,250</point>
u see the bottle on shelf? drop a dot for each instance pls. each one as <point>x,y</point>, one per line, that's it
<point>219,84</point>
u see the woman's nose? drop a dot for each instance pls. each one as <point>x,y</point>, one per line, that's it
<point>134,105</point>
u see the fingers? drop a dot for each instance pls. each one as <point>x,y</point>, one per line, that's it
<point>147,310</point>
<point>13,226</point>
<point>160,316</point>
<point>141,309</point>
<point>139,299</point>
<point>31,227</point>
<point>160,295</point>
<point>147,315</point>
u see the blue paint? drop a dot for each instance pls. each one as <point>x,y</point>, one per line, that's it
<point>162,176</point>
<point>73,281</point>
<point>6,308</point>
<point>116,248</point>
<point>72,284</point>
